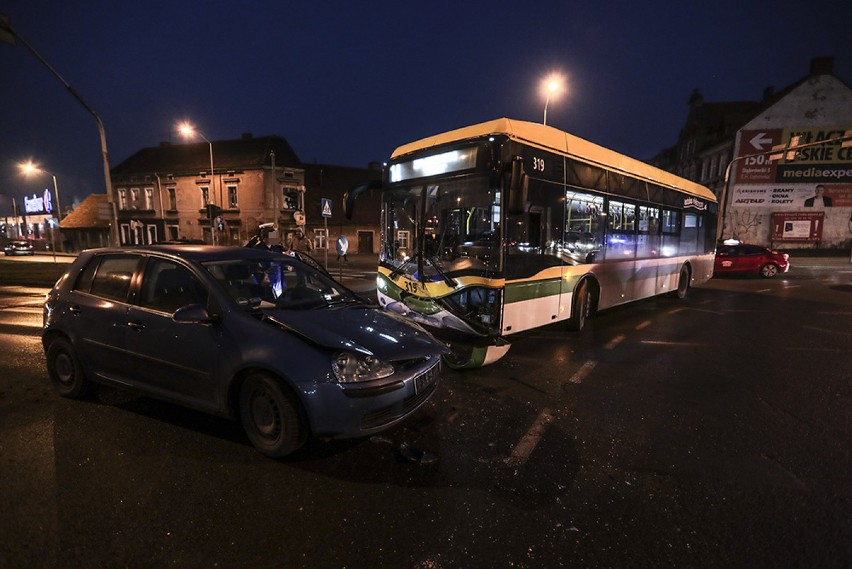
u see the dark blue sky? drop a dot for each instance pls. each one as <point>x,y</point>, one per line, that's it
<point>347,82</point>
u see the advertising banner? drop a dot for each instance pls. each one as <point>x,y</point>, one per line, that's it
<point>797,226</point>
<point>805,196</point>
<point>828,163</point>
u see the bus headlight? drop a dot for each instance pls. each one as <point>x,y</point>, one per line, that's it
<point>349,367</point>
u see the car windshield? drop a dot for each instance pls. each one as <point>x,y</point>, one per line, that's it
<point>278,282</point>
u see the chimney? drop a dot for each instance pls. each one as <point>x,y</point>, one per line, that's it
<point>696,99</point>
<point>822,65</point>
<point>246,136</point>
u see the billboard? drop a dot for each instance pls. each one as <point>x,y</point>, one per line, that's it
<point>828,163</point>
<point>797,226</point>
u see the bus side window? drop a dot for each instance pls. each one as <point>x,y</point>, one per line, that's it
<point>670,227</point>
<point>648,245</point>
<point>689,233</point>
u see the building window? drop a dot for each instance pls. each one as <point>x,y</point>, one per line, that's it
<point>291,197</point>
<point>232,197</point>
<point>205,195</point>
<point>122,199</point>
<point>172,199</point>
<point>149,198</point>
<point>173,231</point>
<point>134,198</point>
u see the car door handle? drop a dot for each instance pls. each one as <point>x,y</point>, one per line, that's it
<point>136,325</point>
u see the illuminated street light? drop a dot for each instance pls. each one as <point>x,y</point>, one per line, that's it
<point>552,86</point>
<point>186,130</point>
<point>29,169</point>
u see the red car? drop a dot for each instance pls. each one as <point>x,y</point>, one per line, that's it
<point>750,259</point>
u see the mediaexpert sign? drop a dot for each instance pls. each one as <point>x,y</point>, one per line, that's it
<point>820,163</point>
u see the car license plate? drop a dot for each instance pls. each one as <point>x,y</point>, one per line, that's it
<point>425,380</point>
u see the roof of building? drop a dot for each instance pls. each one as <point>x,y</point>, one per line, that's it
<point>240,154</point>
<point>87,215</point>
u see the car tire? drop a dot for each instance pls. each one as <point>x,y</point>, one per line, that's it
<point>271,416</point>
<point>66,373</point>
<point>769,270</point>
<point>581,309</point>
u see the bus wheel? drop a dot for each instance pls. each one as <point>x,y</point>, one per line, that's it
<point>682,283</point>
<point>581,308</point>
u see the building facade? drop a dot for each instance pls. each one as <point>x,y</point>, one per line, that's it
<point>769,196</point>
<point>167,193</point>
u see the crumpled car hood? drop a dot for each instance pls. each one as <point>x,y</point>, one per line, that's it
<point>370,331</point>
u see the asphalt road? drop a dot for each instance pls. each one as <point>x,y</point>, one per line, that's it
<point>710,432</point>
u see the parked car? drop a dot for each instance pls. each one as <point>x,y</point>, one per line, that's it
<point>750,259</point>
<point>18,247</point>
<point>244,333</point>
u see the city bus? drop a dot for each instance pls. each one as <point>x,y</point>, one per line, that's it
<point>506,226</point>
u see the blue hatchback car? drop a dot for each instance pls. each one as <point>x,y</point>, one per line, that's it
<point>244,333</point>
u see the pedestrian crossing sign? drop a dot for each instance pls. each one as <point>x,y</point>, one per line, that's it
<point>326,207</point>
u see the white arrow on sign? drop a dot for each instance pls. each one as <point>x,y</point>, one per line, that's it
<point>759,140</point>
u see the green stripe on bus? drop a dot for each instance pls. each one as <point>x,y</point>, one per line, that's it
<point>517,292</point>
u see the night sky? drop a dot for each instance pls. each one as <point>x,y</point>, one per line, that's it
<point>347,82</point>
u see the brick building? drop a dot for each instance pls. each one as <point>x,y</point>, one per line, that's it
<point>769,198</point>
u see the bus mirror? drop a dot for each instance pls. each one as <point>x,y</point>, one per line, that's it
<point>352,194</point>
<point>517,187</point>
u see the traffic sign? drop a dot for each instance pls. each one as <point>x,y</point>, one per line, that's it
<point>326,207</point>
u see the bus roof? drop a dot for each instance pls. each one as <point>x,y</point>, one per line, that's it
<point>554,140</point>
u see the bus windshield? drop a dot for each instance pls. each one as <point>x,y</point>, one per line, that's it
<point>438,229</point>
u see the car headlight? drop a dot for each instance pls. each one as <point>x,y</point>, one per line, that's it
<point>349,367</point>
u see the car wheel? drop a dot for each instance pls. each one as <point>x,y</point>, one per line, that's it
<point>271,416</point>
<point>769,270</point>
<point>682,283</point>
<point>582,307</point>
<point>66,373</point>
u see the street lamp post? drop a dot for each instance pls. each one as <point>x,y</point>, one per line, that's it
<point>29,169</point>
<point>9,35</point>
<point>187,130</point>
<point>552,86</point>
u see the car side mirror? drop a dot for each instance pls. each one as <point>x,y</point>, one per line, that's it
<point>193,314</point>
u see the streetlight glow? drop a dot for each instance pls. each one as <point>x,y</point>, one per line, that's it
<point>29,169</point>
<point>552,86</point>
<point>186,129</point>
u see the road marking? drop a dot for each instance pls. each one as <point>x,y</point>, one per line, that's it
<point>581,373</point>
<point>530,440</point>
<point>615,341</point>
<point>827,331</point>
<point>643,325</point>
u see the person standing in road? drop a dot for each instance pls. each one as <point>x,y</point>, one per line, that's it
<point>300,242</point>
